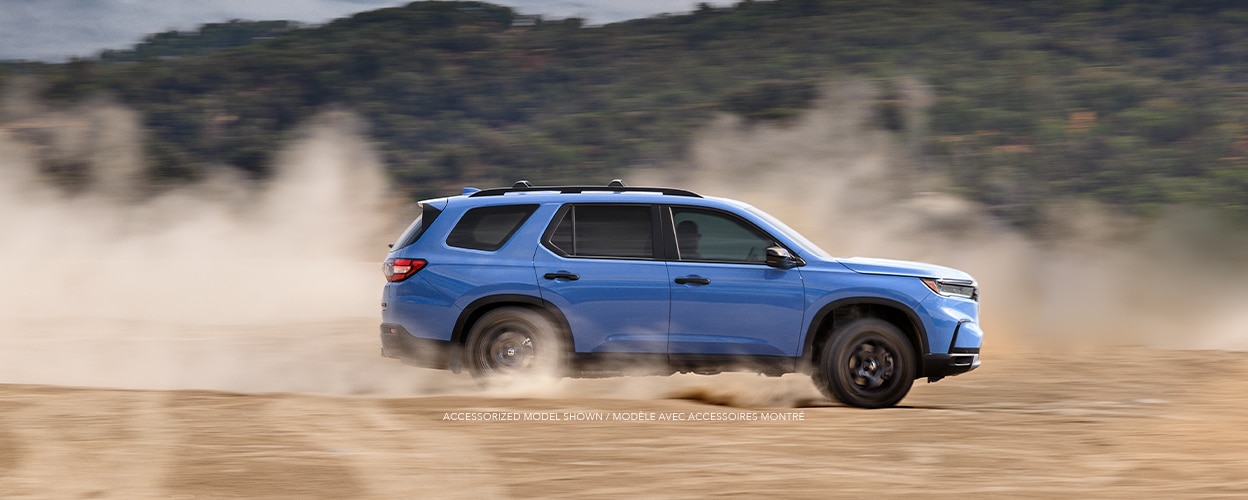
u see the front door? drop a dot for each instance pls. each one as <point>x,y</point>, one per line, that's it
<point>725,299</point>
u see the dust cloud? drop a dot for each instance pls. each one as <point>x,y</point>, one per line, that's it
<point>1097,279</point>
<point>225,284</point>
<point>272,287</point>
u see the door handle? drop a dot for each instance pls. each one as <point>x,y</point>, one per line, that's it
<point>692,280</point>
<point>561,275</point>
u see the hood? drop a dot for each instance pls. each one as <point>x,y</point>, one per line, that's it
<point>864,265</point>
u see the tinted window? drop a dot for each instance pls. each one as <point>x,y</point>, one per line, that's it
<point>487,228</point>
<point>605,231</point>
<point>417,227</point>
<point>703,235</point>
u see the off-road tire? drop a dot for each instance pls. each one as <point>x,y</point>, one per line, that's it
<point>868,363</point>
<point>511,343</point>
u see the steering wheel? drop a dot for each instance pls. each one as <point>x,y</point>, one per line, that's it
<point>752,255</point>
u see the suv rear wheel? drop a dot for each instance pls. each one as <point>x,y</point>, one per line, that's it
<point>513,342</point>
<point>868,363</point>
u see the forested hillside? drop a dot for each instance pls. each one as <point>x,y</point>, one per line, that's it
<point>1136,104</point>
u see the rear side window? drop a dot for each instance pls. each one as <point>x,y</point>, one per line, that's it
<point>488,228</point>
<point>611,231</point>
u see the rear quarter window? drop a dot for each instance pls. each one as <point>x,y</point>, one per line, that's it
<point>488,228</point>
<point>417,227</point>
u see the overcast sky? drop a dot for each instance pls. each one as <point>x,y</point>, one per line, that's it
<point>55,30</point>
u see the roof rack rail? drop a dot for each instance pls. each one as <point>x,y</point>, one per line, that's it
<point>615,185</point>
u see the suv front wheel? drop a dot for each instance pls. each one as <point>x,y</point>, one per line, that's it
<point>868,363</point>
<point>513,342</point>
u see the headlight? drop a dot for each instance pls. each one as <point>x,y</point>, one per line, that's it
<point>953,288</point>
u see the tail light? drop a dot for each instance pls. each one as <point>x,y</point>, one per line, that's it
<point>401,269</point>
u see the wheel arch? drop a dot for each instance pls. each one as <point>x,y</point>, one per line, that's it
<point>477,308</point>
<point>838,311</point>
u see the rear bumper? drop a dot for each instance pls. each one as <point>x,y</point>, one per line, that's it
<point>961,360</point>
<point>398,344</point>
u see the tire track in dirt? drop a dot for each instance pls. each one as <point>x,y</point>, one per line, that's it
<point>234,447</point>
<point>74,443</point>
<point>597,459</point>
<point>12,449</point>
<point>394,456</point>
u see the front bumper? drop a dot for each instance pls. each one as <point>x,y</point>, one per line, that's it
<point>959,361</point>
<point>398,344</point>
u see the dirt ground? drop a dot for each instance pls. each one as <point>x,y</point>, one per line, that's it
<point>1099,422</point>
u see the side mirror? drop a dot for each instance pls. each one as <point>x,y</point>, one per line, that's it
<point>780,258</point>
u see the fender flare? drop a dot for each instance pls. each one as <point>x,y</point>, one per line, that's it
<point>474,310</point>
<point>812,330</point>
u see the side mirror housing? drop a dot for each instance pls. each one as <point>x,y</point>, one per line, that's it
<point>780,258</point>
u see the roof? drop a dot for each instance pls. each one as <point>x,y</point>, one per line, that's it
<point>615,186</point>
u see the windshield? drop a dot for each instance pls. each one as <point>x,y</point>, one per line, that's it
<point>790,232</point>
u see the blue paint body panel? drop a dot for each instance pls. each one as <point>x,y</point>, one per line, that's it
<point>635,305</point>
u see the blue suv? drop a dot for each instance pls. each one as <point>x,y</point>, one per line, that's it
<point>606,280</point>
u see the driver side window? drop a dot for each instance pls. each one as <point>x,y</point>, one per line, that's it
<point>709,236</point>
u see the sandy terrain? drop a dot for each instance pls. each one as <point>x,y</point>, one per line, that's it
<point>1122,423</point>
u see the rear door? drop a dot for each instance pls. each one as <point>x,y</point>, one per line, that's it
<point>602,265</point>
<point>725,299</point>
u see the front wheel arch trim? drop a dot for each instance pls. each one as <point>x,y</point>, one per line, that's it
<point>916,326</point>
